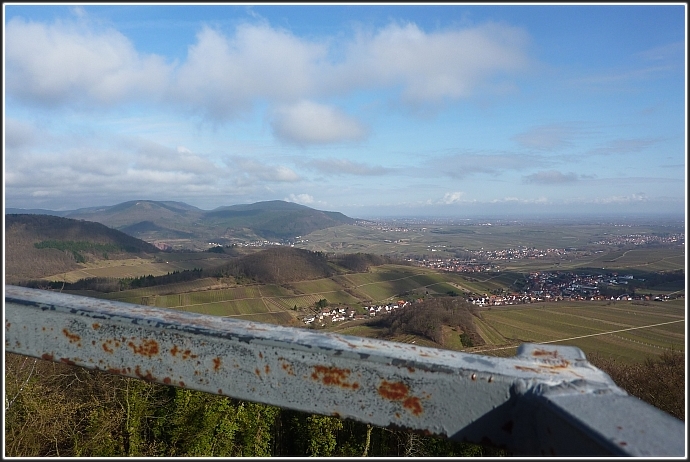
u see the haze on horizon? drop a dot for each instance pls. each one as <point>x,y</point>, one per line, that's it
<point>369,110</point>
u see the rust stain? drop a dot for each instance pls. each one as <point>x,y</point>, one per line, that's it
<point>167,380</point>
<point>47,357</point>
<point>106,348</point>
<point>413,405</point>
<point>181,383</point>
<point>527,369</point>
<point>117,371</point>
<point>333,376</point>
<point>174,350</point>
<point>42,328</point>
<point>68,361</point>
<point>188,354</point>
<point>95,325</point>
<point>217,363</point>
<point>93,342</point>
<point>72,337</point>
<point>552,354</point>
<point>146,376</point>
<point>261,355</point>
<point>398,391</point>
<point>257,372</point>
<point>393,391</point>
<point>147,348</point>
<point>267,369</point>
<point>411,369</point>
<point>220,391</point>
<point>288,368</point>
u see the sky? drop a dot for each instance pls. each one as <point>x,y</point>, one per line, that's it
<point>447,110</point>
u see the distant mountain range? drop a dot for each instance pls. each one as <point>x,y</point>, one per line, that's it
<point>161,220</point>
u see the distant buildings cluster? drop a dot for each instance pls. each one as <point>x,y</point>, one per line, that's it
<point>342,314</point>
<point>643,239</point>
<point>554,286</point>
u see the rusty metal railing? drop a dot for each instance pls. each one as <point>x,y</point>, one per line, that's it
<point>547,400</point>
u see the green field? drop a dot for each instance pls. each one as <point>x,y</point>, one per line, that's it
<point>627,331</point>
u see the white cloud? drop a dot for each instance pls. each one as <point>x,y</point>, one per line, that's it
<point>66,63</point>
<point>452,198</point>
<point>433,66</point>
<point>303,199</point>
<point>311,123</point>
<point>249,171</point>
<point>632,198</point>
<point>224,76</point>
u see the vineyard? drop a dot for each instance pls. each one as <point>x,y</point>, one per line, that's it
<point>625,331</point>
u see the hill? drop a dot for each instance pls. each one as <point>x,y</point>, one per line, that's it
<point>279,265</point>
<point>40,245</point>
<point>274,219</point>
<point>155,220</point>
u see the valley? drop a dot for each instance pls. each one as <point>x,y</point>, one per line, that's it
<point>614,290</point>
<point>526,281</point>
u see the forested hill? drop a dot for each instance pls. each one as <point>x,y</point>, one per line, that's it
<point>39,245</point>
<point>280,265</point>
<point>166,219</point>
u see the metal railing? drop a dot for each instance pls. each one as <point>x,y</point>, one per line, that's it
<point>547,400</point>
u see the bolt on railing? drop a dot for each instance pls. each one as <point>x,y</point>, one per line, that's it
<point>547,400</point>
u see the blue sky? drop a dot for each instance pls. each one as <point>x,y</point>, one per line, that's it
<point>369,110</point>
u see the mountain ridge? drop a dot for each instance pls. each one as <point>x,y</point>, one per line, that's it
<point>152,221</point>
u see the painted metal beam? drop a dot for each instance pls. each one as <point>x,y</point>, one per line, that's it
<point>547,400</point>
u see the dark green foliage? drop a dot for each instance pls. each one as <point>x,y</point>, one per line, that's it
<point>323,303</point>
<point>77,246</point>
<point>466,340</point>
<point>114,284</point>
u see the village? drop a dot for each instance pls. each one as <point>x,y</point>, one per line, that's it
<point>339,314</point>
<point>486,260</point>
<point>555,286</point>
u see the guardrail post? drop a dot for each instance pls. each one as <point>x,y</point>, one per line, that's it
<point>547,400</point>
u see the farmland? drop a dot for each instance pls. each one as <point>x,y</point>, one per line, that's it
<point>628,331</point>
<point>625,330</point>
